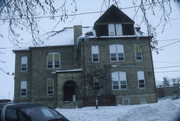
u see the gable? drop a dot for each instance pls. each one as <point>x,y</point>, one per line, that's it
<point>114,15</point>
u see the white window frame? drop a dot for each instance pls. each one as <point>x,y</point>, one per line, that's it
<point>23,86</point>
<point>95,51</point>
<point>116,50</point>
<point>53,60</point>
<point>119,76</point>
<point>50,94</point>
<point>135,52</point>
<point>141,76</point>
<point>115,30</point>
<point>126,99</point>
<point>24,62</point>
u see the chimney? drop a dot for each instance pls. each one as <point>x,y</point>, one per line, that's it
<point>77,33</point>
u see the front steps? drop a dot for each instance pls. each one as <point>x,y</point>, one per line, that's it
<point>69,104</point>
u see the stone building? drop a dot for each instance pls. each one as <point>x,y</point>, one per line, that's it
<point>112,59</point>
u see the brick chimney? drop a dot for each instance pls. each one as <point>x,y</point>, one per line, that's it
<point>77,33</point>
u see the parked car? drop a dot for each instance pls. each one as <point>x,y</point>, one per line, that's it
<point>1,107</point>
<point>29,112</point>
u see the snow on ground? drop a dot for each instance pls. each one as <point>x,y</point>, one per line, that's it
<point>164,110</point>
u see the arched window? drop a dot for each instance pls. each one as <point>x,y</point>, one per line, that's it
<point>24,63</point>
<point>50,86</point>
<point>23,89</point>
<point>141,79</point>
<point>116,52</point>
<point>53,60</point>
<point>138,52</point>
<point>95,53</point>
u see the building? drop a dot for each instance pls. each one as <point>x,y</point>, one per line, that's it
<point>169,91</point>
<point>111,60</point>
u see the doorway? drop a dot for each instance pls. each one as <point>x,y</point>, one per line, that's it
<point>69,90</point>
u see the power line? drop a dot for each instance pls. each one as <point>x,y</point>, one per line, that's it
<point>167,71</point>
<point>84,13</point>
<point>166,61</point>
<point>169,39</point>
<point>167,67</point>
<point>173,39</point>
<point>6,72</point>
<point>168,44</point>
<point>174,18</point>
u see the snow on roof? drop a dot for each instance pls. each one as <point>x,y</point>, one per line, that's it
<point>64,37</point>
<point>137,34</point>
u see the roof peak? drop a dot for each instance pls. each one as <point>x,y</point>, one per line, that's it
<point>114,15</point>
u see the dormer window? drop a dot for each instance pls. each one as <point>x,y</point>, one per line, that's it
<point>115,29</point>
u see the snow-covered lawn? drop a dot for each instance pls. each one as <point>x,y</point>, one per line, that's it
<point>164,110</point>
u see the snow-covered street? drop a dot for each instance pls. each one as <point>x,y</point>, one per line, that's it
<point>164,110</point>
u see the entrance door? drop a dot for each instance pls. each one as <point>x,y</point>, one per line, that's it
<point>69,91</point>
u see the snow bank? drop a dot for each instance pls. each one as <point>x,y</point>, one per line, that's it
<point>164,110</point>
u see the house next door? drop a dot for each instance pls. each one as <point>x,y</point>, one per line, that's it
<point>69,90</point>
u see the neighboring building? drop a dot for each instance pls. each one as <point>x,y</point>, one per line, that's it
<point>113,55</point>
<point>169,91</point>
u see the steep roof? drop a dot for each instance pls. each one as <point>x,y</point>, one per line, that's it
<point>114,15</point>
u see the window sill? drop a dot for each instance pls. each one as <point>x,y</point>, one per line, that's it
<point>119,89</point>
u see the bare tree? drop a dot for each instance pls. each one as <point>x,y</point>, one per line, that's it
<point>166,82</point>
<point>25,14</point>
<point>95,78</point>
<point>174,80</point>
<point>178,80</point>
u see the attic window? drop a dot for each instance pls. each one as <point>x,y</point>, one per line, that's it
<point>115,29</point>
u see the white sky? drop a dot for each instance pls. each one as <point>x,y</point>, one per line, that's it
<point>167,57</point>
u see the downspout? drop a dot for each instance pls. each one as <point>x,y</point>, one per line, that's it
<point>83,40</point>
<point>153,72</point>
<point>30,65</point>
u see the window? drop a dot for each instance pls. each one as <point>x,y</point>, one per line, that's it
<point>115,29</point>
<point>23,89</point>
<point>53,60</point>
<point>50,86</point>
<point>141,79</point>
<point>126,101</point>
<point>95,53</point>
<point>11,115</point>
<point>117,52</point>
<point>119,80</point>
<point>138,52</point>
<point>24,63</point>
<point>22,117</point>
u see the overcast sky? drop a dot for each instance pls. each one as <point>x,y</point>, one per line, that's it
<point>168,56</point>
